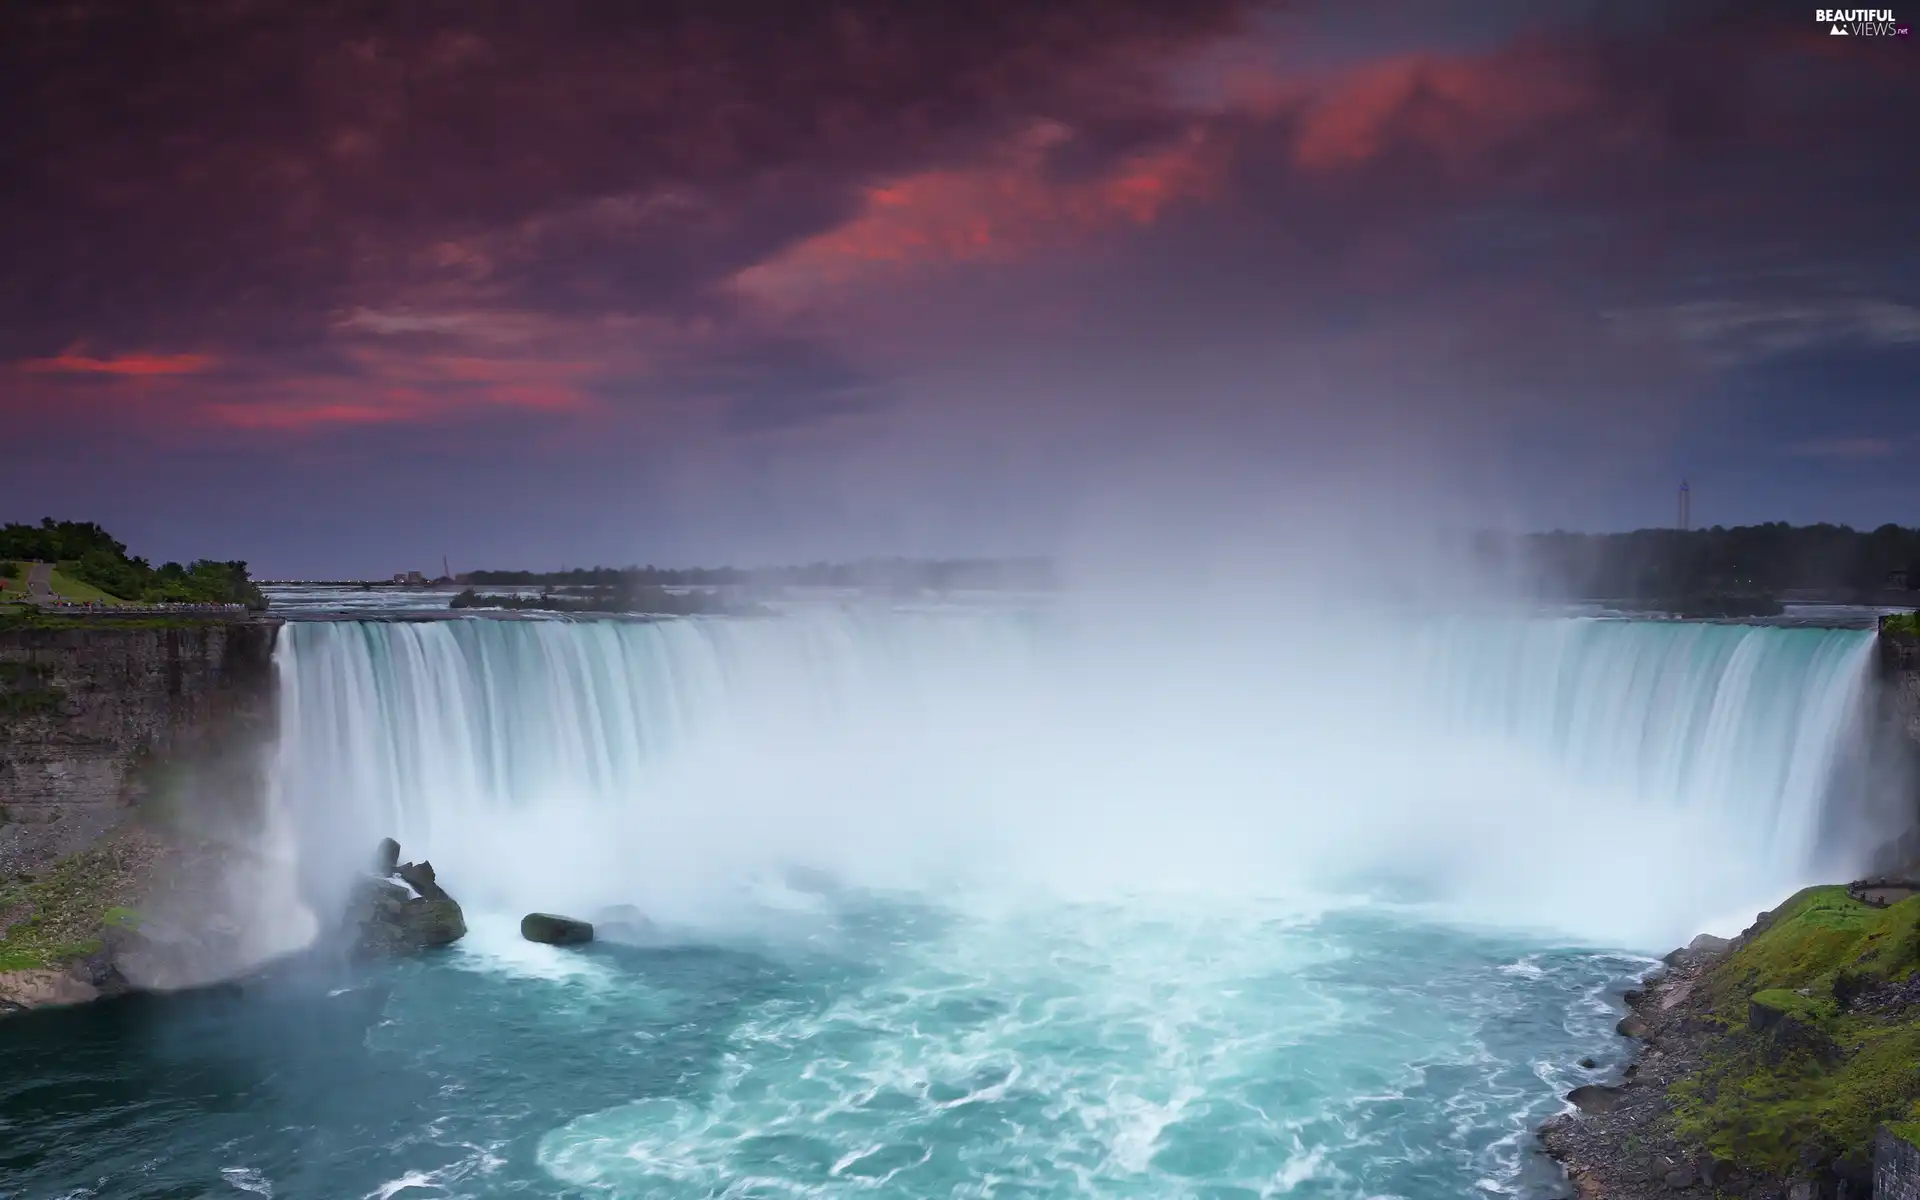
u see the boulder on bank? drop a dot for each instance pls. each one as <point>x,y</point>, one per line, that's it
<point>403,910</point>
<point>1700,949</point>
<point>1595,1097</point>
<point>1709,945</point>
<point>554,930</point>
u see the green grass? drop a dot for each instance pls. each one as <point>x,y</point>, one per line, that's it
<point>1907,623</point>
<point>13,596</point>
<point>64,585</point>
<point>1755,1099</point>
<point>1817,933</point>
<point>1810,1008</point>
<point>67,587</point>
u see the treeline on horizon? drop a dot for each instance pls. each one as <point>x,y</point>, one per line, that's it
<point>89,554</point>
<point>1649,565</point>
<point>932,574</point>
<point>1745,560</point>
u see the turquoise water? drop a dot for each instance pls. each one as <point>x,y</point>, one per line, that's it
<point>966,904</point>
<point>862,1046</point>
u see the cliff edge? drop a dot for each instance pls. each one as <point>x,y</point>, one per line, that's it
<point>1784,1065</point>
<point>131,802</point>
<point>1899,650</point>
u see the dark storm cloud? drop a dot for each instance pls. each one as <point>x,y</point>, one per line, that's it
<point>215,170</point>
<point>582,243</point>
<point>1614,182</point>
<point>1722,137</point>
<point>761,384</point>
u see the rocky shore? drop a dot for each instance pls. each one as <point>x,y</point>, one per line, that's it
<point>1784,1065</point>
<point>1619,1142</point>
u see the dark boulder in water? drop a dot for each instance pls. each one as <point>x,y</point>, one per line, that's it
<point>555,930</point>
<point>387,860</point>
<point>388,917</point>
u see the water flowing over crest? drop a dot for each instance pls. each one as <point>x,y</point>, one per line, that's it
<point>1625,782</point>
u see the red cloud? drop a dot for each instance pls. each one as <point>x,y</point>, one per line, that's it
<point>405,388</point>
<point>998,211</point>
<point>304,418</point>
<point>1456,107</point>
<point>392,387</point>
<point>132,365</point>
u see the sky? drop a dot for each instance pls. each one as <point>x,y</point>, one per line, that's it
<point>341,288</point>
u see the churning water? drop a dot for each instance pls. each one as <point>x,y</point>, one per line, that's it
<point>972,904</point>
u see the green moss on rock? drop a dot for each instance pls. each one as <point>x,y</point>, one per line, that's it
<point>1818,1009</point>
<point>1812,938</point>
<point>57,918</point>
<point>1796,1068</point>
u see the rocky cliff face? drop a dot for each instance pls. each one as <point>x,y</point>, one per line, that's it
<point>1900,672</point>
<point>95,721</point>
<point>131,807</point>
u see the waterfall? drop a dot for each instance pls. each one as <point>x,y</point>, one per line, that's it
<point>1606,778</point>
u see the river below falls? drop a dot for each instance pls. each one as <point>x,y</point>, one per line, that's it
<point>845,1044</point>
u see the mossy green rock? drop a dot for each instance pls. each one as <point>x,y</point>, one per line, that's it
<point>1799,1067</point>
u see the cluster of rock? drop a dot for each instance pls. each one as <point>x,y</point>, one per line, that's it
<point>397,908</point>
<point>402,907</point>
<point>1619,1143</point>
<point>1615,1145</point>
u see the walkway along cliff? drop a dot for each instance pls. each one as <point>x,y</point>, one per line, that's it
<point>131,771</point>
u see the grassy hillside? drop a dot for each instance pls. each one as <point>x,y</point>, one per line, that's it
<point>79,591</point>
<point>94,566</point>
<point>1820,1042</point>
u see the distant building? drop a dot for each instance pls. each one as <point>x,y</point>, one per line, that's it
<point>413,578</point>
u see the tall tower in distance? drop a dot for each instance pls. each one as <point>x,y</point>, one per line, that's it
<point>1686,506</point>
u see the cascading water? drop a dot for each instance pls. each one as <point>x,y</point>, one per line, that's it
<point>1177,909</point>
<point>605,762</point>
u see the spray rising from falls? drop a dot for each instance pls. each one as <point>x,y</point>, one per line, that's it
<point>1613,780</point>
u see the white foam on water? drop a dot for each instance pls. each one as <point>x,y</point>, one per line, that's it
<point>1135,871</point>
<point>246,1179</point>
<point>493,943</point>
<point>411,1181</point>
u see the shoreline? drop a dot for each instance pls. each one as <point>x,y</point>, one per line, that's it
<point>1781,1065</point>
<point>1613,1144</point>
